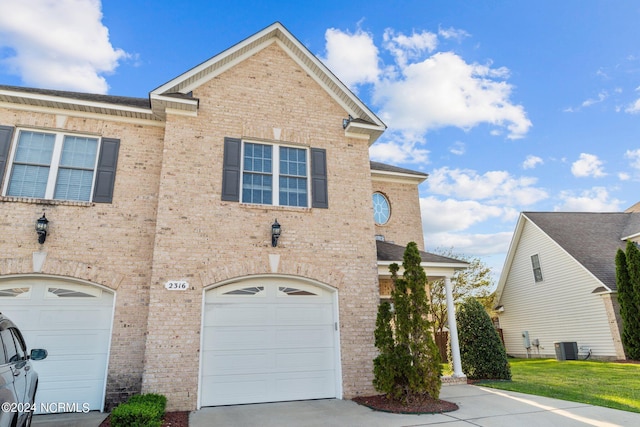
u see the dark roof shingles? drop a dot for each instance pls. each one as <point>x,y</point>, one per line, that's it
<point>92,97</point>
<point>395,253</point>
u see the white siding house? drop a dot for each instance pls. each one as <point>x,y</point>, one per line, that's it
<point>558,284</point>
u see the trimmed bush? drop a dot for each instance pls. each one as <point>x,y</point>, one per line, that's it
<point>481,352</point>
<point>143,410</point>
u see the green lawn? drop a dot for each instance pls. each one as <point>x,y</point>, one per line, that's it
<point>613,385</point>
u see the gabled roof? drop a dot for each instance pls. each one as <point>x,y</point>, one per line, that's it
<point>390,252</point>
<point>592,239</point>
<point>361,121</point>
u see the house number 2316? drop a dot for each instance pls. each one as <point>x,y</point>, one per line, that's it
<point>176,285</point>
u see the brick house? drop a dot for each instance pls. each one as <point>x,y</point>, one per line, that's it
<point>160,273</point>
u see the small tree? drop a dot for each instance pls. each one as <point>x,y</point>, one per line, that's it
<point>475,281</point>
<point>481,352</point>
<point>408,366</point>
<point>628,285</point>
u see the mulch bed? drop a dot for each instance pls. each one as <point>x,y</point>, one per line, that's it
<point>171,419</point>
<point>425,406</point>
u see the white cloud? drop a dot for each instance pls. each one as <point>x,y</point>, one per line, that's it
<point>453,33</point>
<point>531,162</point>
<point>422,91</point>
<point>454,215</point>
<point>498,187</point>
<point>634,107</point>
<point>471,244</point>
<point>623,176</point>
<point>634,157</point>
<point>596,199</point>
<point>404,48</point>
<point>58,44</point>
<point>444,90</point>
<point>601,97</point>
<point>352,57</point>
<point>587,165</point>
<point>458,148</point>
<point>392,151</point>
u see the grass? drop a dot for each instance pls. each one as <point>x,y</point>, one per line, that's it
<point>608,384</point>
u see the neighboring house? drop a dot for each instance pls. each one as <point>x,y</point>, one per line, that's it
<point>159,271</point>
<point>559,283</point>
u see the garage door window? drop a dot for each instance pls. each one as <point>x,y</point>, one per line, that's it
<point>15,293</point>
<point>293,291</point>
<point>250,291</point>
<point>73,292</point>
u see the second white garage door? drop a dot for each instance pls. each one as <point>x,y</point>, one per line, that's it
<point>268,340</point>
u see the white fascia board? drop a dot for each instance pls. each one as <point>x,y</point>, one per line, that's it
<point>631,237</point>
<point>190,104</point>
<point>377,175</point>
<point>211,61</point>
<point>150,121</point>
<point>515,239</point>
<point>49,99</point>
<point>431,268</point>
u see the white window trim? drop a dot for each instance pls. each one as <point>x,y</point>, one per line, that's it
<point>55,161</point>
<point>275,173</point>
<point>533,269</point>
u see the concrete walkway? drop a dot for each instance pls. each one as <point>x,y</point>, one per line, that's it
<point>479,406</point>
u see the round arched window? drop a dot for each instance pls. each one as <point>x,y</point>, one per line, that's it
<point>381,209</point>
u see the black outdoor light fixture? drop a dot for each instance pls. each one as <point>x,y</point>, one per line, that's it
<point>275,233</point>
<point>345,122</point>
<point>42,224</point>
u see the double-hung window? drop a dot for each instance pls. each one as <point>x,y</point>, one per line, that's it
<point>275,175</point>
<point>537,271</point>
<point>50,165</point>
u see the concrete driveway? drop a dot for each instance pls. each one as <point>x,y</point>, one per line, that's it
<point>479,406</point>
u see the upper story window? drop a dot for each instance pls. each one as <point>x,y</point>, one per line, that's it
<point>381,209</point>
<point>53,166</point>
<point>274,175</point>
<point>537,271</point>
<point>57,166</point>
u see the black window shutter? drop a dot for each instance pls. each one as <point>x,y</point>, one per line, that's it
<point>6,132</point>
<point>231,170</point>
<point>106,172</point>
<point>319,196</point>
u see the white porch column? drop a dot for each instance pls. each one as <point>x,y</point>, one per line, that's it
<point>453,330</point>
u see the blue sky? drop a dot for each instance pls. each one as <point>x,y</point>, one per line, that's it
<point>509,106</point>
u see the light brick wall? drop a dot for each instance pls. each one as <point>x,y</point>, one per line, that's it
<point>203,240</point>
<point>405,222</point>
<point>612,308</point>
<point>106,244</point>
<point>168,198</point>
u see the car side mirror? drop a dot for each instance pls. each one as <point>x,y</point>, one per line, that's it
<point>38,354</point>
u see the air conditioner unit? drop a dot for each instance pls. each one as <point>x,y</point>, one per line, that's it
<point>566,350</point>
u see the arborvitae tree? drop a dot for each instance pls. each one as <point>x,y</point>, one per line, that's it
<point>481,352</point>
<point>408,366</point>
<point>628,284</point>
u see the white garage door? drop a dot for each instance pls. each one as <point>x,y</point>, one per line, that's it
<point>268,340</point>
<point>73,323</point>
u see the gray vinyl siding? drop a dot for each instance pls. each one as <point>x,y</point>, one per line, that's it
<point>562,307</point>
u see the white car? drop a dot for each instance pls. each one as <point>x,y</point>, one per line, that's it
<point>18,379</point>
